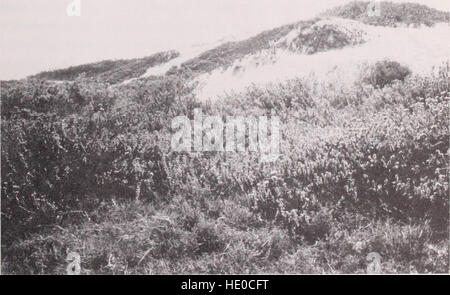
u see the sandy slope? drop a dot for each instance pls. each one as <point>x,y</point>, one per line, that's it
<point>420,48</point>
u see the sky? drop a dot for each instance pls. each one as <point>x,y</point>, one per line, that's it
<point>38,35</point>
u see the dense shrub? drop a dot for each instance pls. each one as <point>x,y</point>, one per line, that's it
<point>393,164</point>
<point>66,147</point>
<point>385,72</point>
<point>390,160</point>
<point>75,157</point>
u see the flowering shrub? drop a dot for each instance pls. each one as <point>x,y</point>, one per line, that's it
<point>393,164</point>
<point>81,154</point>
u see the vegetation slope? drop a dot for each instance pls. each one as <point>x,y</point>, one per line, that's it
<point>87,167</point>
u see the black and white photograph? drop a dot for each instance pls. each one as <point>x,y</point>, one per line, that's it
<point>225,137</point>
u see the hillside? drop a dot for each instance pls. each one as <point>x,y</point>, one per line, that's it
<point>392,14</point>
<point>109,71</point>
<point>312,36</point>
<point>305,37</point>
<point>332,50</point>
<point>88,164</point>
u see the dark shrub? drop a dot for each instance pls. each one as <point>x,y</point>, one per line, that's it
<point>384,72</point>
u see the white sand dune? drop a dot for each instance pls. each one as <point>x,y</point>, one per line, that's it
<point>185,55</point>
<point>420,49</point>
